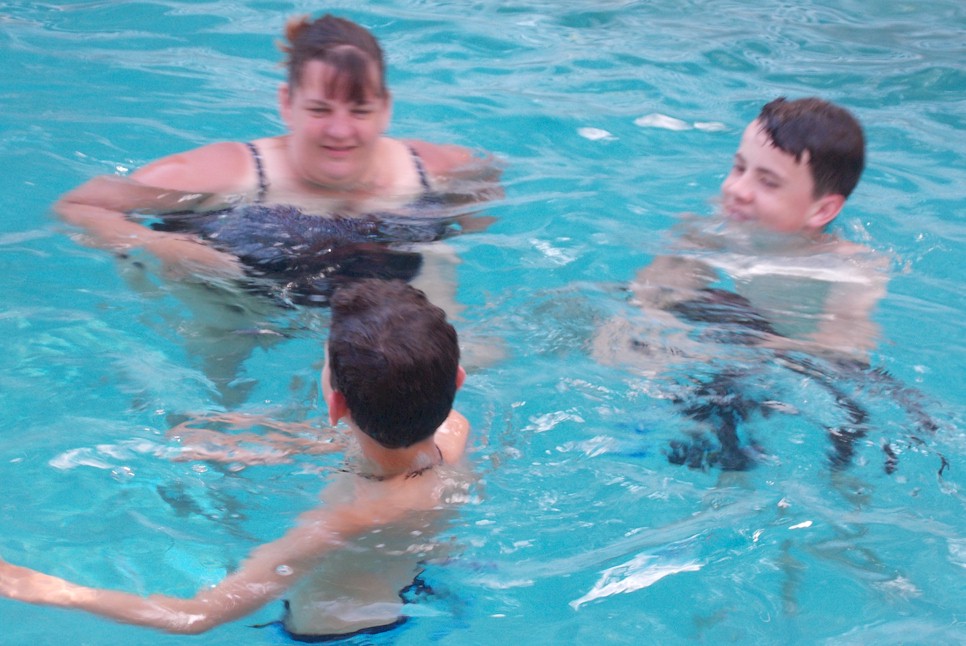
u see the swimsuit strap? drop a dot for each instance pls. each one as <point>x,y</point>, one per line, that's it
<point>263,181</point>
<point>411,474</point>
<point>259,166</point>
<point>419,472</point>
<point>420,168</point>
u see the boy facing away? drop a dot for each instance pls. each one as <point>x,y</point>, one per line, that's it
<point>803,288</point>
<point>391,372</point>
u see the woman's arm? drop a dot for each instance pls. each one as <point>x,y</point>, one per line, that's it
<point>101,206</point>
<point>460,172</point>
<point>183,182</point>
<point>97,208</point>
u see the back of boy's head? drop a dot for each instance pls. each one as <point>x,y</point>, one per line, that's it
<point>394,358</point>
<point>830,134</point>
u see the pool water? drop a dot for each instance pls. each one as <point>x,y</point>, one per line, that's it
<point>613,118</point>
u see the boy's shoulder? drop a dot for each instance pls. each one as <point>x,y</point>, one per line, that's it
<point>842,247</point>
<point>451,437</point>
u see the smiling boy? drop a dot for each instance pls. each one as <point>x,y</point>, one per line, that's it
<point>762,283</point>
<point>795,167</point>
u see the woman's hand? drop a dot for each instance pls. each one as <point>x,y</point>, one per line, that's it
<point>185,256</point>
<point>101,207</point>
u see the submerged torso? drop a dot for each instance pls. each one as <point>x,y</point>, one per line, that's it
<point>358,586</point>
<point>796,284</point>
<point>791,293</point>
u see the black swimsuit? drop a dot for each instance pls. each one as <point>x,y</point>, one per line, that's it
<point>263,180</point>
<point>260,168</point>
<point>301,258</point>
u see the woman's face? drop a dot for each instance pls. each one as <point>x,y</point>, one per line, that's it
<point>333,138</point>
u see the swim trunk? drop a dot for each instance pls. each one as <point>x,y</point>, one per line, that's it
<point>414,592</point>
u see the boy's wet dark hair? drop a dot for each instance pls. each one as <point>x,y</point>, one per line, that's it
<point>353,52</point>
<point>394,358</point>
<point>830,134</point>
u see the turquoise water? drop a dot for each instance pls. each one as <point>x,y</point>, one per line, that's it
<point>580,529</point>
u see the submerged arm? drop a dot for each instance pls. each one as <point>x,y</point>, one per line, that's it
<point>283,440</point>
<point>668,280</point>
<point>845,325</point>
<point>846,328</point>
<point>102,205</point>
<point>659,338</point>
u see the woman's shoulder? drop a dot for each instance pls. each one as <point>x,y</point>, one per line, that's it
<point>224,167</point>
<point>451,160</point>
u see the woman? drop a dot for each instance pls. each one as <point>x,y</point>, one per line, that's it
<point>334,159</point>
<point>257,204</point>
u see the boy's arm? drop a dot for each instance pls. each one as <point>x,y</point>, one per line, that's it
<point>268,571</point>
<point>848,324</point>
<point>670,279</point>
<point>846,328</point>
<point>660,338</point>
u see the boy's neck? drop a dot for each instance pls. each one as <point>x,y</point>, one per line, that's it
<point>391,463</point>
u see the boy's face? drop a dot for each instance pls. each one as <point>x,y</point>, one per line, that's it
<point>768,188</point>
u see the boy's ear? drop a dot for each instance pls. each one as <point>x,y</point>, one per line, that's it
<point>285,103</point>
<point>337,407</point>
<point>825,209</point>
<point>460,377</point>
